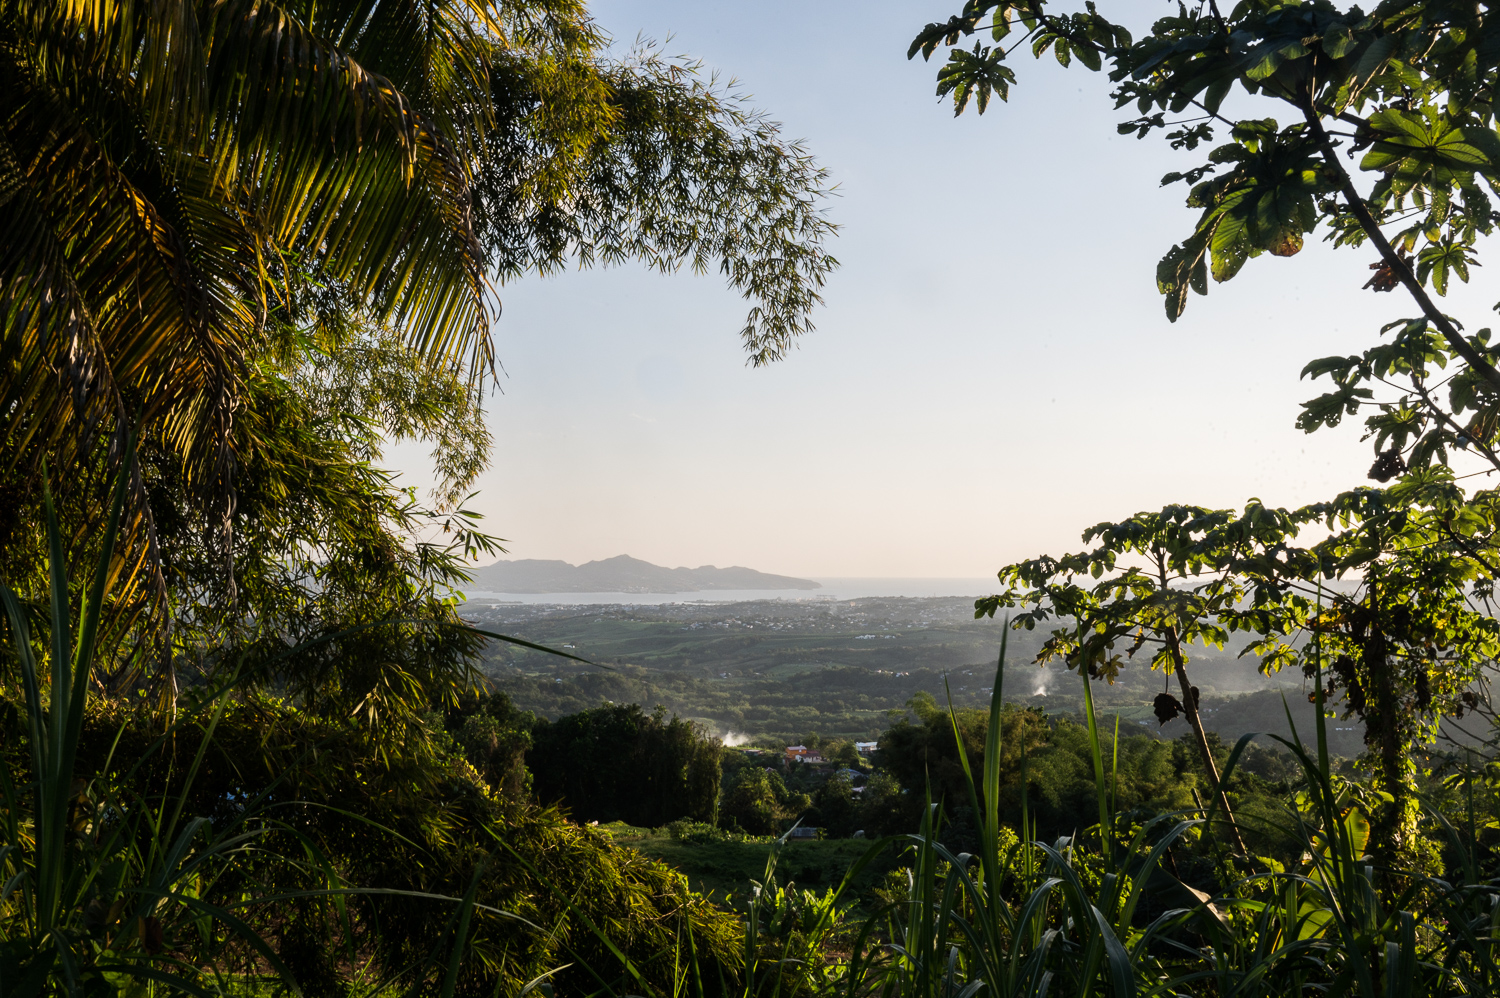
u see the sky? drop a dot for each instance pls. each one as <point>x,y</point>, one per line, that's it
<point>992,371</point>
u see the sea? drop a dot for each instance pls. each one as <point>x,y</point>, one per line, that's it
<point>833,589</point>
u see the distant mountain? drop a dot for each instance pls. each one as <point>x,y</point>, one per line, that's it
<point>622,574</point>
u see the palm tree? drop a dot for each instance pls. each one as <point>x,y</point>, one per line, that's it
<point>168,171</point>
<point>182,183</point>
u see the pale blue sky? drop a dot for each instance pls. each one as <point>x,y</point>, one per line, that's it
<point>992,372</point>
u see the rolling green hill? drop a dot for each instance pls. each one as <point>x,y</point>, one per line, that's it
<point>783,669</point>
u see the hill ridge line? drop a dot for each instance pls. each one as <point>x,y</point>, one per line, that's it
<point>623,574</point>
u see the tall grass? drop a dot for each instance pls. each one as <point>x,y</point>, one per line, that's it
<point>108,889</point>
<point>99,885</point>
<point>1025,918</point>
<point>103,891</point>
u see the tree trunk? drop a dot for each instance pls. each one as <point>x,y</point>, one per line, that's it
<point>1383,735</point>
<point>1190,707</point>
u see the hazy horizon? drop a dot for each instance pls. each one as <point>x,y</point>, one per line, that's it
<point>758,568</point>
<point>834,589</point>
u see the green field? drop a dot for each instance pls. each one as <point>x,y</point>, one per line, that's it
<point>724,870</point>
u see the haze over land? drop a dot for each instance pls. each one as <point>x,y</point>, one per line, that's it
<point>623,574</point>
<point>786,668</point>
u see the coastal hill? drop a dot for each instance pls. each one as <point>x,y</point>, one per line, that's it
<point>622,574</point>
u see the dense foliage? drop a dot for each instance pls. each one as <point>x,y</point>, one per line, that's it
<point>266,239</point>
<point>411,834</point>
<point>361,852</point>
<point>1410,86</point>
<point>247,749</point>
<point>245,246</point>
<point>619,763</point>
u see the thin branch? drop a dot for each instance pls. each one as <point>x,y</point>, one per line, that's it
<point>1452,424</point>
<point>1388,254</point>
<point>1197,103</point>
<point>1494,572</point>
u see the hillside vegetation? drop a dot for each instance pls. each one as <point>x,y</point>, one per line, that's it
<point>781,670</point>
<point>253,742</point>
